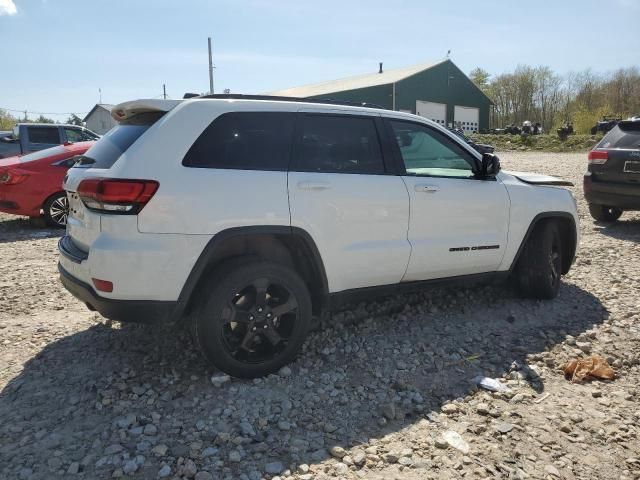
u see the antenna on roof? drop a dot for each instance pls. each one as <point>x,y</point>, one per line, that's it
<point>380,70</point>
<point>448,53</point>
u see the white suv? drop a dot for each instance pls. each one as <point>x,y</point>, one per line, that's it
<point>249,215</point>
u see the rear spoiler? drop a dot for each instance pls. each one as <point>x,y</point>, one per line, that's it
<point>124,111</point>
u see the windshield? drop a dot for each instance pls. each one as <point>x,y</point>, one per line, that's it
<point>116,141</point>
<point>623,135</point>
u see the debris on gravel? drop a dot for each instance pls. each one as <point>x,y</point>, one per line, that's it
<point>382,390</point>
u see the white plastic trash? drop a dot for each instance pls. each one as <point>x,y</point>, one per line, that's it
<point>490,384</point>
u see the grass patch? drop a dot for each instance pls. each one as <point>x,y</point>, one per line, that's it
<point>542,143</point>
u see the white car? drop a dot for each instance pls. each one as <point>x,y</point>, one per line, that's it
<point>248,215</point>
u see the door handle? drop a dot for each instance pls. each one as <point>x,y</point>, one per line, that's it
<point>427,188</point>
<point>314,186</point>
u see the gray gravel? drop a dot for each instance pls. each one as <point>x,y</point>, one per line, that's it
<point>384,390</point>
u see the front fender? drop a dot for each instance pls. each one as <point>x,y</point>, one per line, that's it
<point>530,204</point>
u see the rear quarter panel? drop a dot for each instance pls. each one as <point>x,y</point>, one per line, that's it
<point>202,201</point>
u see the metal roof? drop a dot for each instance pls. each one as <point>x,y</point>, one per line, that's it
<point>106,106</point>
<point>351,83</point>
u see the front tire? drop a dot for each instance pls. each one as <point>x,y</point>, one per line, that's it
<point>56,210</point>
<point>540,265</point>
<point>602,213</point>
<point>253,318</point>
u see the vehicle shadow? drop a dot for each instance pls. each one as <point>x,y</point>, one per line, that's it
<point>22,228</point>
<point>623,229</point>
<point>371,370</point>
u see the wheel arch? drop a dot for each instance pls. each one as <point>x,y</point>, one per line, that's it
<point>290,246</point>
<point>568,233</point>
<point>50,197</point>
<point>45,214</point>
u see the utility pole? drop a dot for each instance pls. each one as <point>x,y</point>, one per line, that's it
<point>164,91</point>
<point>210,68</point>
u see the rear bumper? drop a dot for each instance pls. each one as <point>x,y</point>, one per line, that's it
<point>626,197</point>
<point>139,311</point>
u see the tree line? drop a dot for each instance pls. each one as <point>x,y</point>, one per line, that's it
<point>540,95</point>
<point>8,121</point>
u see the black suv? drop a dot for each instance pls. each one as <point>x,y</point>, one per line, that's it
<point>612,182</point>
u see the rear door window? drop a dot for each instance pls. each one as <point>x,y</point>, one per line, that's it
<point>47,135</point>
<point>116,141</point>
<point>244,140</point>
<point>338,144</point>
<point>623,135</point>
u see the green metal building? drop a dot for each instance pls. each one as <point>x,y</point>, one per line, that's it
<point>438,91</point>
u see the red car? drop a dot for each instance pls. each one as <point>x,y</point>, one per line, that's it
<point>31,185</point>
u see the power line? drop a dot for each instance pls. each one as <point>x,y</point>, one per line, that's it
<point>42,113</point>
<point>62,113</point>
<point>23,110</point>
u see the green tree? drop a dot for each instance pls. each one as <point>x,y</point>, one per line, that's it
<point>481,78</point>
<point>7,121</point>
<point>43,119</point>
<point>74,120</point>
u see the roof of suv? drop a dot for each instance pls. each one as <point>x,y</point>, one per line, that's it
<point>126,110</point>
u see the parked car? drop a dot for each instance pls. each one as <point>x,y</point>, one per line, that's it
<point>612,181</point>
<point>604,125</point>
<point>479,147</point>
<point>32,137</point>
<point>247,215</point>
<point>31,185</point>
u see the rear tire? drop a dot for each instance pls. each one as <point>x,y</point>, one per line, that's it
<point>540,265</point>
<point>602,213</point>
<point>252,318</point>
<point>56,210</point>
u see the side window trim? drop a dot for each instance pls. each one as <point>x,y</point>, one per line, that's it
<point>294,166</point>
<point>399,162</point>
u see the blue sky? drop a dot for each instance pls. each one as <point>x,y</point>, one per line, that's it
<point>57,53</point>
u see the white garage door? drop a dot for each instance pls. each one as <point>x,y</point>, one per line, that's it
<point>433,111</point>
<point>467,118</point>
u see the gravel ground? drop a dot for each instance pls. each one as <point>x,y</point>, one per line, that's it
<point>384,390</point>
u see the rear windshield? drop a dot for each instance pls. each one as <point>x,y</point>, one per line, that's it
<point>40,154</point>
<point>116,141</point>
<point>623,135</point>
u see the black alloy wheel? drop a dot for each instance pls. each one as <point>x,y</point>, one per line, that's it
<point>258,321</point>
<point>253,317</point>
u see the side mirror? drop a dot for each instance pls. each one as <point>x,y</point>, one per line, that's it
<point>490,165</point>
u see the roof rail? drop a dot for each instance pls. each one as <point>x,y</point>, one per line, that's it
<point>239,96</point>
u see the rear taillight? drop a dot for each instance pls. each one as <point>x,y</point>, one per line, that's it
<point>598,157</point>
<point>12,177</point>
<point>113,195</point>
